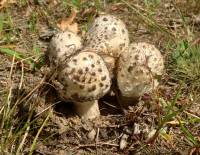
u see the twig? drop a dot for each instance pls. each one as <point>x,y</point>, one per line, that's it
<point>96,144</point>
<point>193,115</point>
<point>29,94</point>
<point>97,140</point>
<point>110,105</point>
<point>47,108</point>
<point>22,76</point>
<point>10,85</point>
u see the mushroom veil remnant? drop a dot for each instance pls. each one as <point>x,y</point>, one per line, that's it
<point>84,80</point>
<point>139,69</point>
<point>108,36</point>
<point>62,46</point>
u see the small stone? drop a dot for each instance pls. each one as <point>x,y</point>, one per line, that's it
<point>136,129</point>
<point>123,142</point>
<point>151,134</point>
<point>91,135</point>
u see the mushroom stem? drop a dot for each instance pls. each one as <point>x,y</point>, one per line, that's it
<point>87,110</point>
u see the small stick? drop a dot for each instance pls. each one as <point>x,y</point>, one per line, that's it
<point>97,139</point>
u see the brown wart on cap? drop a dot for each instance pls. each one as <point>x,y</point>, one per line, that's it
<point>138,69</point>
<point>62,46</point>
<point>84,82</point>
<point>108,36</point>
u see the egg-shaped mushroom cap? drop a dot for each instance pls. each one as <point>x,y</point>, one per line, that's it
<point>84,78</point>
<point>108,35</point>
<point>139,69</point>
<point>62,46</point>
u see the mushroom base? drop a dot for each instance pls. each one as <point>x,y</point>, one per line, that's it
<point>87,110</point>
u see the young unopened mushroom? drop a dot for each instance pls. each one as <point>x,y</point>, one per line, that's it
<point>107,35</point>
<point>83,81</point>
<point>139,69</point>
<point>62,46</point>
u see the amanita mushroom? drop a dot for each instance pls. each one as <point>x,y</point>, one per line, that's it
<point>108,36</point>
<point>139,69</point>
<point>83,81</point>
<point>62,46</point>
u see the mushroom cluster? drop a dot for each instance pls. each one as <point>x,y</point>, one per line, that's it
<point>85,79</point>
<point>108,37</point>
<point>86,70</point>
<point>139,69</point>
<point>62,46</point>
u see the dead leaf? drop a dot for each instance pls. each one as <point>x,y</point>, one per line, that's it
<point>4,3</point>
<point>194,151</point>
<point>29,11</point>
<point>8,46</point>
<point>196,41</point>
<point>68,23</point>
<point>89,11</point>
<point>174,122</point>
<point>117,7</point>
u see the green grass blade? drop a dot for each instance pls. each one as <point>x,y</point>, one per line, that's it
<point>1,23</point>
<point>148,20</point>
<point>15,54</point>
<point>38,133</point>
<point>188,134</point>
<point>76,3</point>
<point>12,53</point>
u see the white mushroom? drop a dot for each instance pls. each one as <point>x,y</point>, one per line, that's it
<point>108,36</point>
<point>139,69</point>
<point>62,46</point>
<point>84,80</point>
